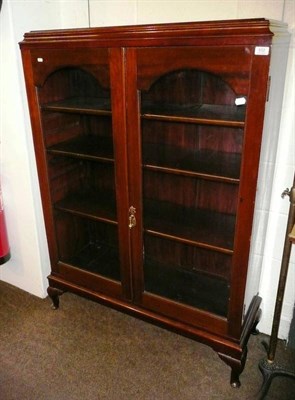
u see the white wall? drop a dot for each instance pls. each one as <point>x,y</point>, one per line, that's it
<point>279,208</point>
<point>29,264</point>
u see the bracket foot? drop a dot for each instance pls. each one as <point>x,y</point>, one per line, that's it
<point>237,367</point>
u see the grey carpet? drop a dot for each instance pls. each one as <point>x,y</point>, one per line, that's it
<point>87,351</point>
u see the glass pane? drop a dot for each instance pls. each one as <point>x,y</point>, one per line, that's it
<point>88,244</point>
<point>187,274</point>
<point>77,129</point>
<point>192,138</point>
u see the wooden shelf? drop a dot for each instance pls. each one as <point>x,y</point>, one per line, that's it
<point>188,287</point>
<point>81,105</point>
<point>206,114</point>
<point>94,205</point>
<point>207,164</point>
<point>87,147</point>
<point>99,258</point>
<point>202,228</point>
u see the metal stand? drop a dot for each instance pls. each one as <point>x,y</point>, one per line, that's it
<point>269,368</point>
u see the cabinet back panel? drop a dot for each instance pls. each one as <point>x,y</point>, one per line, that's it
<point>190,192</point>
<point>191,258</point>
<point>186,87</point>
<point>68,176</point>
<point>221,139</point>
<point>60,127</point>
<point>169,133</point>
<point>88,245</point>
<point>193,135</point>
<point>198,290</point>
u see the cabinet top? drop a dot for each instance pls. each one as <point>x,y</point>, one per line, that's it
<point>243,31</point>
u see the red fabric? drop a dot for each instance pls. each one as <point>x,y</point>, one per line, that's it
<point>4,246</point>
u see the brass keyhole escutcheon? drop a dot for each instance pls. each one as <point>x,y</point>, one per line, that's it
<point>132,218</point>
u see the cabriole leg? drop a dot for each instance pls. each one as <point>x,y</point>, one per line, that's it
<point>237,367</point>
<point>54,294</point>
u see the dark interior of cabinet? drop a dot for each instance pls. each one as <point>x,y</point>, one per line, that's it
<point>84,183</point>
<point>77,133</point>
<point>189,87</point>
<point>190,209</point>
<point>192,138</point>
<point>187,274</point>
<point>89,245</point>
<point>184,286</point>
<point>74,87</point>
<point>193,149</point>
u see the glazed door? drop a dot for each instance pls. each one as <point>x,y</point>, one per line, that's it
<point>192,105</point>
<point>82,192</point>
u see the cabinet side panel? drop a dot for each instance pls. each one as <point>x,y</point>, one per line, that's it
<point>249,172</point>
